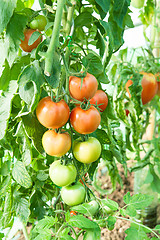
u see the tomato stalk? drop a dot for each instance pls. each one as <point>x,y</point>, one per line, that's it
<point>25,233</point>
<point>54,38</point>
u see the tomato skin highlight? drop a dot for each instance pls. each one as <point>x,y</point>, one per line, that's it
<point>24,43</point>
<point>87,151</point>
<point>73,195</point>
<point>149,87</point>
<point>100,97</point>
<point>86,91</point>
<point>85,121</point>
<point>52,114</point>
<point>56,144</point>
<point>62,175</point>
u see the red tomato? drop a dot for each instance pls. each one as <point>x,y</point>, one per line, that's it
<point>56,144</point>
<point>52,114</point>
<point>149,87</point>
<point>85,121</point>
<point>24,43</point>
<point>81,91</point>
<point>100,97</point>
<point>157,75</point>
<point>72,213</point>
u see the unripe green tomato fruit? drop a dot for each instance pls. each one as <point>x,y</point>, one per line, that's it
<point>62,175</point>
<point>42,22</point>
<point>34,24</point>
<point>94,206</point>
<point>87,151</point>
<point>73,194</point>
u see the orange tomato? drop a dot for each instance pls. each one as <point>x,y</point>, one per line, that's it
<point>24,43</point>
<point>101,98</point>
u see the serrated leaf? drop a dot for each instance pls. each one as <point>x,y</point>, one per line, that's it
<point>34,131</point>
<point>6,10</point>
<point>104,4</point>
<point>22,209</point>
<point>21,175</point>
<point>45,223</point>
<point>110,203</point>
<point>30,82</point>
<point>136,234</point>
<point>93,62</point>
<point>139,201</point>
<point>127,198</point>
<point>82,222</point>
<point>5,106</point>
<point>83,19</point>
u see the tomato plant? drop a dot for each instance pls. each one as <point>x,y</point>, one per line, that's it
<point>101,98</point>
<point>62,175</point>
<point>74,194</point>
<point>52,114</point>
<point>25,43</point>
<point>56,144</point>
<point>39,23</point>
<point>87,151</point>
<point>85,121</point>
<point>83,88</point>
<point>149,87</point>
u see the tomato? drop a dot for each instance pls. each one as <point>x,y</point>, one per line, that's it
<point>157,75</point>
<point>56,144</point>
<point>93,207</point>
<point>87,151</point>
<point>85,121</point>
<point>100,97</point>
<point>39,23</point>
<point>72,213</point>
<point>52,114</point>
<point>24,43</point>
<point>62,175</point>
<point>137,3</point>
<point>83,91</point>
<point>149,87</point>
<point>73,194</point>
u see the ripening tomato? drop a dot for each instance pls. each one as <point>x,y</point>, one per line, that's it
<point>72,213</point>
<point>101,98</point>
<point>73,194</point>
<point>85,90</point>
<point>85,121</point>
<point>149,87</point>
<point>56,144</point>
<point>157,75</point>
<point>137,3</point>
<point>62,175</point>
<point>87,151</point>
<point>24,43</point>
<point>52,114</point>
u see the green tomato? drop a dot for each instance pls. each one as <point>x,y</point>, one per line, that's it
<point>137,3</point>
<point>88,151</point>
<point>42,22</point>
<point>62,175</point>
<point>73,194</point>
<point>34,24</point>
<point>94,206</point>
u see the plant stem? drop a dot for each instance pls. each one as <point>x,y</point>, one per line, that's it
<point>54,38</point>
<point>130,220</point>
<point>25,233</point>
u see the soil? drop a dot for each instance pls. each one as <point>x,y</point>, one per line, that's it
<point>118,233</point>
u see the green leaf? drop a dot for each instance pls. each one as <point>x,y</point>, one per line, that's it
<point>82,222</point>
<point>21,175</point>
<point>34,131</point>
<point>5,106</point>
<point>7,213</point>
<point>45,223</point>
<point>111,222</point>
<point>30,82</point>
<point>5,168</point>
<point>120,8</point>
<point>35,35</point>
<point>5,78</point>
<point>22,209</point>
<point>92,235</point>
<point>104,4</point>
<point>127,198</point>
<point>42,176</point>
<point>6,10</point>
<point>131,211</point>
<point>136,234</point>
<point>83,19</point>
<point>28,3</point>
<point>94,64</point>
<point>14,34</point>
<point>5,186</point>
<point>110,203</point>
<point>138,201</point>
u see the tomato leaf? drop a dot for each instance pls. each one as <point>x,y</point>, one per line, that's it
<point>5,186</point>
<point>35,35</point>
<point>21,175</point>
<point>110,203</point>
<point>104,4</point>
<point>6,10</point>
<point>7,213</point>
<point>5,106</point>
<point>120,8</point>
<point>133,233</point>
<point>82,222</point>
<point>94,235</point>
<point>22,208</point>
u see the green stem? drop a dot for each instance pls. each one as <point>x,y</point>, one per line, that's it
<point>54,38</point>
<point>25,233</point>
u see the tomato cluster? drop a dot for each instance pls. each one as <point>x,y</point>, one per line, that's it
<point>57,142</point>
